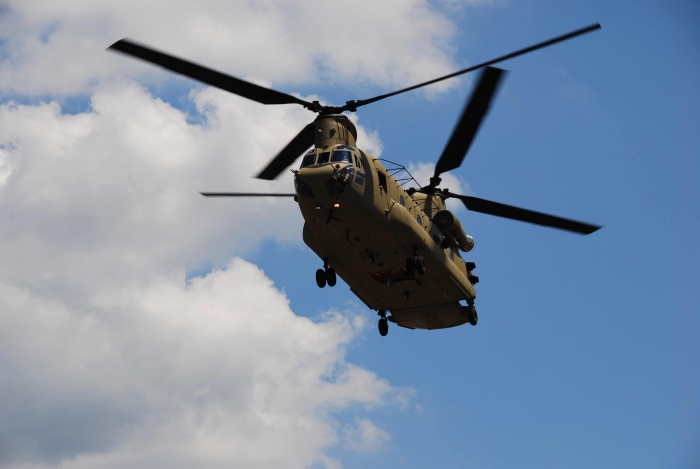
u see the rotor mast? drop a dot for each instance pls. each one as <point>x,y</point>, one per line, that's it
<point>334,129</point>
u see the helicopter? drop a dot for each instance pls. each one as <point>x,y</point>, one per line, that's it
<point>397,248</point>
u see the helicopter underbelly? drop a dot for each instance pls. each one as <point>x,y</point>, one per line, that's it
<point>368,250</point>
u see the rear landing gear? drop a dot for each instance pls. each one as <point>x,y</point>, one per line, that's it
<point>320,278</point>
<point>330,276</point>
<point>470,311</point>
<point>326,276</point>
<point>383,323</point>
<point>420,265</point>
<point>415,264</point>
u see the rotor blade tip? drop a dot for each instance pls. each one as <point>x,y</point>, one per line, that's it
<point>595,228</point>
<point>115,44</point>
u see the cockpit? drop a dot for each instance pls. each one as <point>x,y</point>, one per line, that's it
<point>344,175</point>
<point>340,154</point>
<point>309,159</point>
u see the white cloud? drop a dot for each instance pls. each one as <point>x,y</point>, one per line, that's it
<point>365,437</point>
<point>215,372</point>
<point>58,47</point>
<point>108,357</point>
<point>95,197</point>
<point>5,168</point>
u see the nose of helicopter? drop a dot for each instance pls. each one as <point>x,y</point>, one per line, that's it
<point>324,180</point>
<point>317,174</point>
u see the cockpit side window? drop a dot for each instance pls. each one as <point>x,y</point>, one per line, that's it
<point>309,159</point>
<point>341,156</point>
<point>382,180</point>
<point>323,157</point>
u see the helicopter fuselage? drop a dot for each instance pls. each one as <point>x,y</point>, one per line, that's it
<point>365,225</point>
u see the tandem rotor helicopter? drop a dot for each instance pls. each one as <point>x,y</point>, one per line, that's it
<point>397,248</point>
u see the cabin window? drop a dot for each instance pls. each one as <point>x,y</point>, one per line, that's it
<point>341,156</point>
<point>419,220</point>
<point>323,157</point>
<point>309,159</point>
<point>402,201</point>
<point>452,255</point>
<point>360,178</point>
<point>382,181</point>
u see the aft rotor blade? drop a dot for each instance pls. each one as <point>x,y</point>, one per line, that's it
<point>291,152</point>
<point>205,75</point>
<point>243,194</point>
<point>534,47</point>
<point>474,112</point>
<point>476,204</point>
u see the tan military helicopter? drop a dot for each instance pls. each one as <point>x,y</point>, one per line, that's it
<point>397,248</point>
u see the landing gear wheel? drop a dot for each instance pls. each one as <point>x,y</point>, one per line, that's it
<point>330,276</point>
<point>472,316</point>
<point>320,278</point>
<point>420,265</point>
<point>410,266</point>
<point>383,327</point>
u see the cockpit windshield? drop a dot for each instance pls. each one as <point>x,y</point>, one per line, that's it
<point>342,155</point>
<point>309,159</point>
<point>338,156</point>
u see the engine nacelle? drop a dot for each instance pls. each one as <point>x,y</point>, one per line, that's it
<point>452,229</point>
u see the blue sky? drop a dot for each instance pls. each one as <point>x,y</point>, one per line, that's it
<point>586,352</point>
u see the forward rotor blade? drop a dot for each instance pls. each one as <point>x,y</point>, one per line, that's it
<point>474,112</point>
<point>205,75</point>
<point>514,213</point>
<point>291,152</point>
<point>534,47</point>
<point>243,194</point>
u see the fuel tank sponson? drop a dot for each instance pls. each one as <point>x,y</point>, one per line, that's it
<point>452,228</point>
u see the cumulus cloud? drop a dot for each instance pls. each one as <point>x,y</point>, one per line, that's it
<point>95,197</point>
<point>58,47</point>
<point>5,169</point>
<point>365,437</point>
<point>216,371</point>
<point>109,356</point>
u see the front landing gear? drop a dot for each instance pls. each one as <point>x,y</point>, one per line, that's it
<point>326,275</point>
<point>383,323</point>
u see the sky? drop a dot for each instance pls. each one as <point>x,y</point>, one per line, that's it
<point>142,325</point>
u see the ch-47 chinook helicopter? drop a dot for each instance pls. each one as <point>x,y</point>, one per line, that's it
<point>397,249</point>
